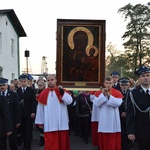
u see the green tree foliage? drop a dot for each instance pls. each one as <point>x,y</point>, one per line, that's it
<point>137,35</point>
<point>117,61</point>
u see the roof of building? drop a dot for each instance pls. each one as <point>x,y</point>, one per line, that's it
<point>15,21</point>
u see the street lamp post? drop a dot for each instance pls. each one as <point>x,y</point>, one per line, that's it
<point>27,55</point>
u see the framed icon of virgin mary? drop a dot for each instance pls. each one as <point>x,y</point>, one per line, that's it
<point>80,58</point>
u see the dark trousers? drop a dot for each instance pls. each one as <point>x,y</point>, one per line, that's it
<point>13,140</point>
<point>76,125</point>
<point>3,143</point>
<point>26,132</point>
<point>124,138</point>
<point>85,125</point>
<point>144,144</point>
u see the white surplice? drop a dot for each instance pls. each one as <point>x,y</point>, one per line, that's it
<point>54,115</point>
<point>108,113</point>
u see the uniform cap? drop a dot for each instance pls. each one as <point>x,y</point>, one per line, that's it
<point>30,77</point>
<point>23,77</point>
<point>3,81</point>
<point>142,70</point>
<point>115,73</point>
<point>124,80</point>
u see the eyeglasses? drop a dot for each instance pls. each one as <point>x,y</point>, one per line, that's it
<point>124,84</point>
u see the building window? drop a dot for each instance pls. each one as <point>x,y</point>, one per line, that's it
<point>13,76</point>
<point>12,47</point>
<point>1,71</point>
<point>0,42</point>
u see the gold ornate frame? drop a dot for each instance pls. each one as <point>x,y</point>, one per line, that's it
<point>80,62</point>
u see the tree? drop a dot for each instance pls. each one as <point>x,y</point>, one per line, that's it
<point>118,61</point>
<point>137,36</point>
<point>112,59</point>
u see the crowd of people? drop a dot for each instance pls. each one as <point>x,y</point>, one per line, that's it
<point>115,116</point>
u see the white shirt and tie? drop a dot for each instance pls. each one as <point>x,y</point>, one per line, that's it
<point>23,89</point>
<point>4,93</point>
<point>147,91</point>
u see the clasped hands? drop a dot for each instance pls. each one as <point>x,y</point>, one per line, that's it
<point>106,92</point>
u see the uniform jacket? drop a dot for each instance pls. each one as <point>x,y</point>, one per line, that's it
<point>138,123</point>
<point>27,101</point>
<point>5,119</point>
<point>14,107</point>
<point>117,87</point>
<point>123,106</point>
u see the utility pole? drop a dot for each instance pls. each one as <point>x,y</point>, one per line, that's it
<point>27,55</point>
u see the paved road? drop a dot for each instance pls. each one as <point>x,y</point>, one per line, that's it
<point>76,143</point>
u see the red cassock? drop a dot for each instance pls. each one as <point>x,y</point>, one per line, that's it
<point>95,134</point>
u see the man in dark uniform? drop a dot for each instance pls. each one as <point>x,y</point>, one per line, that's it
<point>14,108</point>
<point>5,120</point>
<point>124,89</point>
<point>138,110</point>
<point>115,75</point>
<point>27,100</point>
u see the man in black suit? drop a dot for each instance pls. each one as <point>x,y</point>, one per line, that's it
<point>124,89</point>
<point>115,75</point>
<point>27,100</point>
<point>5,122</point>
<point>14,108</point>
<point>138,110</point>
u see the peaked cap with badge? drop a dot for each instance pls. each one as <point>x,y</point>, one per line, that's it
<point>124,80</point>
<point>3,81</point>
<point>115,73</point>
<point>23,77</point>
<point>142,70</point>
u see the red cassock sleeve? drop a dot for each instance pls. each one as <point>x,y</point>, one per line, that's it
<point>112,91</point>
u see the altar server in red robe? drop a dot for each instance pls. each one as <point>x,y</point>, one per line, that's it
<point>52,115</point>
<point>108,101</point>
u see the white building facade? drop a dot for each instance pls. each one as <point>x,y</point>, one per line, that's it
<point>10,32</point>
